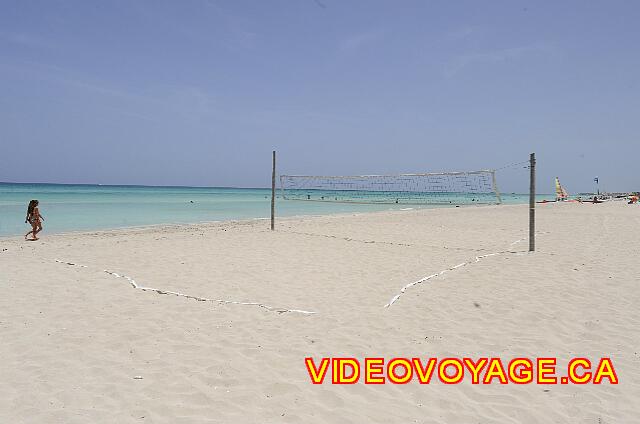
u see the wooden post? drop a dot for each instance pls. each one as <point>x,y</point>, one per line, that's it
<point>495,186</point>
<point>532,202</point>
<point>273,191</point>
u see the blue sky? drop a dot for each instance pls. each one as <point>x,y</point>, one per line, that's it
<point>200,92</point>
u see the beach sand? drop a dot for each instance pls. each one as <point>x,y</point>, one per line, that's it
<point>73,338</point>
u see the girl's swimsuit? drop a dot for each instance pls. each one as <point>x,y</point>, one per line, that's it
<point>34,219</point>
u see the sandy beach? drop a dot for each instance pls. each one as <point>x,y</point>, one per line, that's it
<point>81,345</point>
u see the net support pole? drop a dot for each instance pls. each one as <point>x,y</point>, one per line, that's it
<point>532,202</point>
<point>495,186</point>
<point>273,191</point>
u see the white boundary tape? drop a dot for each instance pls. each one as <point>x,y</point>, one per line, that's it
<point>391,243</point>
<point>135,285</point>
<point>460,265</point>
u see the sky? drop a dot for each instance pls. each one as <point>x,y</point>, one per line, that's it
<point>199,92</point>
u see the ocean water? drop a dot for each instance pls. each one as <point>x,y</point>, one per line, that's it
<point>69,207</point>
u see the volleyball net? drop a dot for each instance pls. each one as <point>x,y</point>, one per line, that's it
<point>438,188</point>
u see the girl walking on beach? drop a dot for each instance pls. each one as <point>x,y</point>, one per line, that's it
<point>34,218</point>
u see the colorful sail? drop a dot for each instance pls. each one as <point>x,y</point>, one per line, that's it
<point>561,193</point>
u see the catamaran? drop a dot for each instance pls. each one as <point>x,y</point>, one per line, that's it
<point>561,193</point>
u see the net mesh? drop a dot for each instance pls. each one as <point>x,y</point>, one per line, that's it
<point>476,187</point>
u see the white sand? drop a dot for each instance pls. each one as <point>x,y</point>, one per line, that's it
<point>73,338</point>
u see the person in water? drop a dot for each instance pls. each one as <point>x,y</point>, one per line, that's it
<point>34,218</point>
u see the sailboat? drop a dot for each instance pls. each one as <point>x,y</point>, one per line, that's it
<point>561,193</point>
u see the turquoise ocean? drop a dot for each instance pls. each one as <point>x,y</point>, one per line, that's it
<point>71,207</point>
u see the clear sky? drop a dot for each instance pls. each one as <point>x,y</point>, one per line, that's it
<point>199,92</point>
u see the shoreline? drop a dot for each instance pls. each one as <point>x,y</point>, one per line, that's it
<point>162,226</point>
<point>87,209</point>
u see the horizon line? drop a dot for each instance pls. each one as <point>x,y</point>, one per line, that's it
<point>130,185</point>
